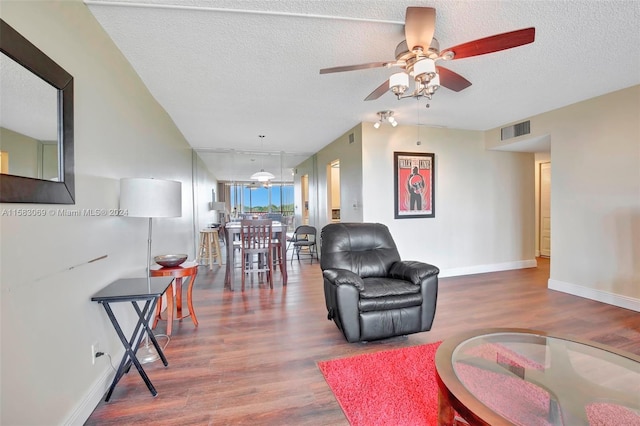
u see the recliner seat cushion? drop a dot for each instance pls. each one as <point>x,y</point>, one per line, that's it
<point>383,287</point>
<point>382,294</point>
<point>390,302</point>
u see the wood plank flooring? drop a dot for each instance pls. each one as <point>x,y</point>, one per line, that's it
<point>252,360</point>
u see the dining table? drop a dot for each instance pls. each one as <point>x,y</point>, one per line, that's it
<point>232,233</point>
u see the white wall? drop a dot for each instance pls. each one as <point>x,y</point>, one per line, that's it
<point>350,156</point>
<point>47,320</point>
<point>203,194</point>
<point>484,200</point>
<point>595,196</point>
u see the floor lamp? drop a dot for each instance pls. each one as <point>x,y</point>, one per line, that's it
<point>144,197</point>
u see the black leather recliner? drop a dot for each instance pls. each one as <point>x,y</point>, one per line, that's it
<point>369,292</point>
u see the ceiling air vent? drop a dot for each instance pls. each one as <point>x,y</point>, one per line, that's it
<point>516,130</point>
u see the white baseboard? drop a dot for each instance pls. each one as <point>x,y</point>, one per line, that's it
<point>595,294</point>
<point>494,267</point>
<point>85,407</point>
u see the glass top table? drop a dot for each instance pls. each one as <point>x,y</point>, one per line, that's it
<point>528,377</point>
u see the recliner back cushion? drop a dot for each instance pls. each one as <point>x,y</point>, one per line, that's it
<point>367,249</point>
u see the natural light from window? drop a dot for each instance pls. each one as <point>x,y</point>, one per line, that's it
<point>255,198</point>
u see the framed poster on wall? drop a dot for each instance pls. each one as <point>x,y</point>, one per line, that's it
<point>414,184</point>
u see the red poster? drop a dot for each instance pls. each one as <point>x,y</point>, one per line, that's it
<point>414,185</point>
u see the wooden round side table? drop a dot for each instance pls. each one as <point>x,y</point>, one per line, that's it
<point>187,270</point>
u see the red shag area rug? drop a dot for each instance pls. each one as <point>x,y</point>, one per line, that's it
<point>394,387</point>
<point>399,387</point>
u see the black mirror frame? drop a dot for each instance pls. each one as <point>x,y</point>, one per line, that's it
<point>19,189</point>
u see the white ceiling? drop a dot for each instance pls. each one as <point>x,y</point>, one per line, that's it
<point>227,71</point>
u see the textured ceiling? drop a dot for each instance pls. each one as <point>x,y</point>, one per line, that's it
<point>228,71</point>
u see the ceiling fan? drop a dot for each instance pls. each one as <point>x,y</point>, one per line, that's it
<point>417,55</point>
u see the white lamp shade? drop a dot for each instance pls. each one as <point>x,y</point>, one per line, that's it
<point>143,197</point>
<point>424,67</point>
<point>218,206</point>
<point>399,82</point>
<point>434,82</point>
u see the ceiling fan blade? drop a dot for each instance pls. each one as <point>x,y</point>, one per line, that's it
<point>381,90</point>
<point>452,80</point>
<point>354,67</point>
<point>494,43</point>
<point>419,25</point>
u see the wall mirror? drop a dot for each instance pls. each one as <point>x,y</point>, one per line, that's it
<point>36,124</point>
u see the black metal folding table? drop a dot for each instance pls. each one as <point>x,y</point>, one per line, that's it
<point>134,290</point>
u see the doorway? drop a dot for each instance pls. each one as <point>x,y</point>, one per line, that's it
<point>304,189</point>
<point>333,191</point>
<point>545,209</point>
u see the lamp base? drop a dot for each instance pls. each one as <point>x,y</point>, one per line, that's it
<point>147,353</point>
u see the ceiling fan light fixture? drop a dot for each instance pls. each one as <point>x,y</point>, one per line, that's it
<point>424,70</point>
<point>434,84</point>
<point>399,83</point>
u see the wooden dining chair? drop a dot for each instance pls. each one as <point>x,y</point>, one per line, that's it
<point>256,248</point>
<point>276,243</point>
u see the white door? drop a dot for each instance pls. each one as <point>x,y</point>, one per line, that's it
<point>545,209</point>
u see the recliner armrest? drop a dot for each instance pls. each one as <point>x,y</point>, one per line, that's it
<point>343,277</point>
<point>413,271</point>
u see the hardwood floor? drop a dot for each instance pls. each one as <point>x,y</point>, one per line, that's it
<point>252,359</point>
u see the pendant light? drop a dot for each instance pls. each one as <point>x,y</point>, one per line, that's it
<point>262,176</point>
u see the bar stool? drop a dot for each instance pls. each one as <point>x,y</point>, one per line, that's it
<point>209,247</point>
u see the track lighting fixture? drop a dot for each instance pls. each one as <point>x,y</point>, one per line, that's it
<point>385,116</point>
